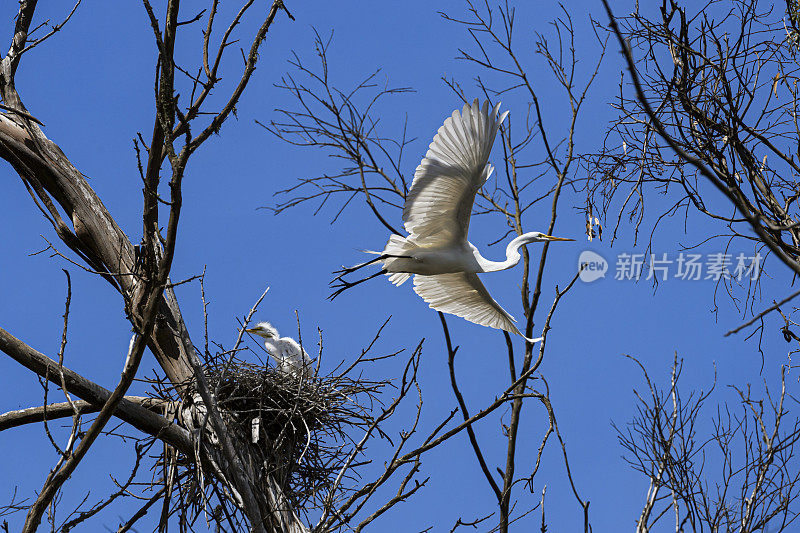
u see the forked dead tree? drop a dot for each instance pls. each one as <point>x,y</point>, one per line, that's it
<point>140,273</point>
<point>245,460</point>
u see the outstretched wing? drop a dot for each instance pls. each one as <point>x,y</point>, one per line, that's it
<point>439,204</point>
<point>462,294</point>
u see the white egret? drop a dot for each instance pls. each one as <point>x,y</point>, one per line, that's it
<point>436,215</point>
<point>291,358</point>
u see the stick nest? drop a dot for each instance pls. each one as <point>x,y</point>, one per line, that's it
<point>297,427</point>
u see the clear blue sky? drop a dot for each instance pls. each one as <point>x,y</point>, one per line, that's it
<point>92,87</point>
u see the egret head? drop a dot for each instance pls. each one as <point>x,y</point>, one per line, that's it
<point>543,237</point>
<point>264,329</point>
<point>537,236</point>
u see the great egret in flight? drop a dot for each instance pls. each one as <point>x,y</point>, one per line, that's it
<point>436,215</point>
<point>288,354</point>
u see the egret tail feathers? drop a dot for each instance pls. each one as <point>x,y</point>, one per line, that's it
<point>398,245</point>
<point>400,248</point>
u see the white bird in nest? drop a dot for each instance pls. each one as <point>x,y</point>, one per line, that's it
<point>290,357</point>
<point>436,215</point>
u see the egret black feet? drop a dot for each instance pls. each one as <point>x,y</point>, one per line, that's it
<point>340,284</point>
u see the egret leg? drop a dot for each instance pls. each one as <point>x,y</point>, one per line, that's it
<point>341,284</point>
<point>349,270</point>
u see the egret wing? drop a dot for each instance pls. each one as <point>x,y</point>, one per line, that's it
<point>439,204</point>
<point>294,359</point>
<point>462,294</point>
<point>294,353</point>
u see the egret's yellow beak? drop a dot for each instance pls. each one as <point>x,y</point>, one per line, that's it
<point>550,238</point>
<point>250,330</point>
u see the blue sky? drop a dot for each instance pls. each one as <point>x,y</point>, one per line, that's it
<point>92,87</point>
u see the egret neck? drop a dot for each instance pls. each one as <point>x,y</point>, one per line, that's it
<point>512,251</point>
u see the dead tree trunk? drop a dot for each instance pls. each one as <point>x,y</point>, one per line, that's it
<point>84,224</point>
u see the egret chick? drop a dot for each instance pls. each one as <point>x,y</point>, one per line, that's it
<point>290,357</point>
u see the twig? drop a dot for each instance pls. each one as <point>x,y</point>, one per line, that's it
<point>763,313</point>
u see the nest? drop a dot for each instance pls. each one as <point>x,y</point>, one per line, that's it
<point>296,429</point>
